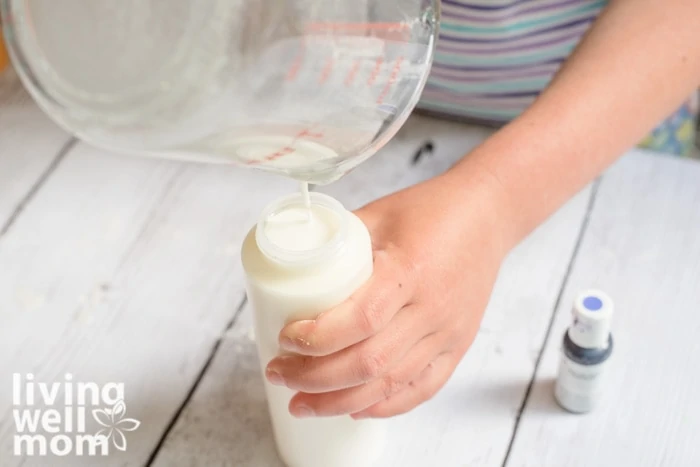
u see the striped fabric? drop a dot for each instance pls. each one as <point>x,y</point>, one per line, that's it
<point>495,56</point>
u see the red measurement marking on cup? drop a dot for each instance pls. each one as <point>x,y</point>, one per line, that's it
<point>392,80</point>
<point>394,31</point>
<point>296,65</point>
<point>309,133</point>
<point>305,133</point>
<point>272,156</point>
<point>352,73</point>
<point>363,27</point>
<point>276,155</point>
<point>327,69</point>
<point>283,152</point>
<point>375,73</point>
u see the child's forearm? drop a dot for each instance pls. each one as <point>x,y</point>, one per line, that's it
<point>638,63</point>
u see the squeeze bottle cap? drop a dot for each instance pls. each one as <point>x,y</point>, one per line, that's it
<point>592,313</point>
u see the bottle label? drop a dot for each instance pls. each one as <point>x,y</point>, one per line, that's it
<point>579,387</point>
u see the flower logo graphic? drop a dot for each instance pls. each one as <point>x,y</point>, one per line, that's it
<point>115,424</point>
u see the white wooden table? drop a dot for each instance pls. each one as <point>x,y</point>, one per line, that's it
<point>120,269</point>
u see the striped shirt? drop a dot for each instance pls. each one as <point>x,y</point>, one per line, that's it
<point>494,57</point>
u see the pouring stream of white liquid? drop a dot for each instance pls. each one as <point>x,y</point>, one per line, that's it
<point>307,200</point>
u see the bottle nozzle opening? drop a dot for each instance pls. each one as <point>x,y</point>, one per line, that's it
<point>292,233</point>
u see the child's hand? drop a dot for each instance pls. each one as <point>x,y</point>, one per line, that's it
<point>437,249</point>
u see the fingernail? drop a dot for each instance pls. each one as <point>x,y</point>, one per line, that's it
<point>295,337</point>
<point>274,377</point>
<point>289,344</point>
<point>303,411</point>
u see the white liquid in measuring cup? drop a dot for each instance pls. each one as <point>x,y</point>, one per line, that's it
<point>298,266</point>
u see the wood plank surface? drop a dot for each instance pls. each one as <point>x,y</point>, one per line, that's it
<point>471,421</point>
<point>29,145</point>
<point>642,246</point>
<point>123,269</point>
<point>126,270</point>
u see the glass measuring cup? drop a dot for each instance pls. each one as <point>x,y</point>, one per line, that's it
<point>304,88</point>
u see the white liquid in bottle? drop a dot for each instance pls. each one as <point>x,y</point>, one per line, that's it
<point>299,262</point>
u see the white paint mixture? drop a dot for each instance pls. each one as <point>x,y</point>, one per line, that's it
<point>296,289</point>
<point>302,227</point>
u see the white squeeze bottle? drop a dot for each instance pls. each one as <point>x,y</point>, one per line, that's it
<point>304,257</point>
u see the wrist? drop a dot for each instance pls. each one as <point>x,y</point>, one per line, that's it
<point>525,177</point>
<point>531,167</point>
<point>475,186</point>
